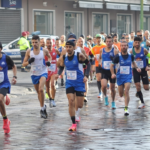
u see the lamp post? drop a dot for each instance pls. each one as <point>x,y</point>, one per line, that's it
<point>141,16</point>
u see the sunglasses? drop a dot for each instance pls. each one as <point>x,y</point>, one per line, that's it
<point>139,35</point>
<point>127,38</point>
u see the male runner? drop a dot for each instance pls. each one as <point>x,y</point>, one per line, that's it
<point>42,43</point>
<point>62,40</point>
<point>107,54</point>
<point>116,42</point>
<point>5,63</point>
<point>124,73</point>
<point>74,79</point>
<point>36,57</point>
<point>96,52</point>
<point>52,70</point>
<point>139,54</point>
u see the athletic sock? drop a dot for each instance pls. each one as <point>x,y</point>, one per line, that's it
<point>140,96</point>
<point>43,108</point>
<point>4,117</point>
<point>99,86</point>
<point>126,108</point>
<point>73,120</point>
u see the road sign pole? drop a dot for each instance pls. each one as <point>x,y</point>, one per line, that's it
<point>141,16</point>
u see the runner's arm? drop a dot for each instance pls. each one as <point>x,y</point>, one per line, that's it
<point>48,55</point>
<point>146,52</point>
<point>61,65</point>
<point>83,51</point>
<point>115,61</point>
<point>27,56</point>
<point>100,56</point>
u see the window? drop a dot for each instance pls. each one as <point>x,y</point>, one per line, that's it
<point>146,22</point>
<point>124,24</point>
<point>73,23</point>
<point>14,45</point>
<point>43,21</point>
<point>100,23</point>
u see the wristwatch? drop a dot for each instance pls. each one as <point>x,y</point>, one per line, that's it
<point>15,77</point>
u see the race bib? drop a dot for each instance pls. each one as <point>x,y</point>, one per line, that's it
<point>97,56</point>
<point>107,64</point>
<point>71,75</point>
<point>1,77</point>
<point>124,69</point>
<point>36,68</point>
<point>140,64</point>
<point>52,68</point>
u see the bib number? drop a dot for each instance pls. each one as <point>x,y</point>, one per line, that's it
<point>97,56</point>
<point>107,64</point>
<point>124,69</point>
<point>1,77</point>
<point>52,68</point>
<point>36,68</point>
<point>71,75</point>
<point>140,64</point>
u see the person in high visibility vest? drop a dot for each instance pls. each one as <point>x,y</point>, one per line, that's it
<point>24,45</point>
<point>30,44</point>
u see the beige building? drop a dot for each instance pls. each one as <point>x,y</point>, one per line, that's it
<point>57,17</point>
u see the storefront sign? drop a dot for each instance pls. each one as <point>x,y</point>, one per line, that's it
<point>90,4</point>
<point>138,8</point>
<point>11,3</point>
<point>117,6</point>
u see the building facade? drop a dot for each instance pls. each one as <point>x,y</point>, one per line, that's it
<point>57,17</point>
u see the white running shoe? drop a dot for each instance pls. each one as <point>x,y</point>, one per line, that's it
<point>141,106</point>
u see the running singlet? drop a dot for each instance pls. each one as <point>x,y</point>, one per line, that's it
<point>140,59</point>
<point>107,58</point>
<point>87,50</point>
<point>4,81</point>
<point>96,52</point>
<point>74,71</point>
<point>125,69</point>
<point>53,66</point>
<point>38,67</point>
<point>118,45</point>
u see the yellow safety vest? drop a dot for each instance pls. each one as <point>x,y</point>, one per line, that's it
<point>23,43</point>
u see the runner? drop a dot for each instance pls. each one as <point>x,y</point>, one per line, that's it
<point>116,42</point>
<point>36,57</point>
<point>107,54</point>
<point>87,51</point>
<point>62,40</point>
<point>52,70</point>
<point>74,79</point>
<point>42,43</point>
<point>5,63</point>
<point>140,58</point>
<point>59,48</point>
<point>96,52</point>
<point>124,74</point>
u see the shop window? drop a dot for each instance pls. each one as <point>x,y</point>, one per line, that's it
<point>100,23</point>
<point>73,23</point>
<point>43,21</point>
<point>146,22</point>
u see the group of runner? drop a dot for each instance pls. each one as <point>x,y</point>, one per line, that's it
<point>114,63</point>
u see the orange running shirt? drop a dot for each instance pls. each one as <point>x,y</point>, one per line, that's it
<point>118,45</point>
<point>96,52</point>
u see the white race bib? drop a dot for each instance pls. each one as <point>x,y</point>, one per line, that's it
<point>36,68</point>
<point>107,64</point>
<point>1,77</point>
<point>71,75</point>
<point>52,68</point>
<point>140,64</point>
<point>124,69</point>
<point>97,56</point>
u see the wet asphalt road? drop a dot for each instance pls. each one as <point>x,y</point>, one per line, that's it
<point>100,127</point>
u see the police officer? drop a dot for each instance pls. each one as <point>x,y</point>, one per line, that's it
<point>24,45</point>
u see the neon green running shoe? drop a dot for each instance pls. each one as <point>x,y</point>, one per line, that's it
<point>126,112</point>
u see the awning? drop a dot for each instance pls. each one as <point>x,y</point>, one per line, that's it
<point>138,8</point>
<point>90,4</point>
<point>117,6</point>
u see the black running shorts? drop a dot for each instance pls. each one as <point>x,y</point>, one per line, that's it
<point>4,91</point>
<point>72,90</point>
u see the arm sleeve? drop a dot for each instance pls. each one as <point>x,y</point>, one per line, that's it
<point>132,57</point>
<point>9,62</point>
<point>116,59</point>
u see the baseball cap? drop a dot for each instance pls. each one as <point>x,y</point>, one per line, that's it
<point>82,35</point>
<point>70,43</point>
<point>98,36</point>
<point>27,32</point>
<point>72,35</point>
<point>24,33</point>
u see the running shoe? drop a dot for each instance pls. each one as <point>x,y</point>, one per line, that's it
<point>7,100</point>
<point>77,119</point>
<point>106,101</point>
<point>126,112</point>
<point>107,86</point>
<point>141,106</point>
<point>43,113</point>
<point>85,99</point>
<point>99,96</point>
<point>46,96</point>
<point>73,127</point>
<point>52,103</point>
<point>113,105</point>
<point>57,86</point>
<point>6,126</point>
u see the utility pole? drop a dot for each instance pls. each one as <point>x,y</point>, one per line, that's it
<point>141,16</point>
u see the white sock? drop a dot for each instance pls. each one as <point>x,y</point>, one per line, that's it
<point>43,108</point>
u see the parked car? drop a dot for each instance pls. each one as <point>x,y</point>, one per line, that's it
<point>12,49</point>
